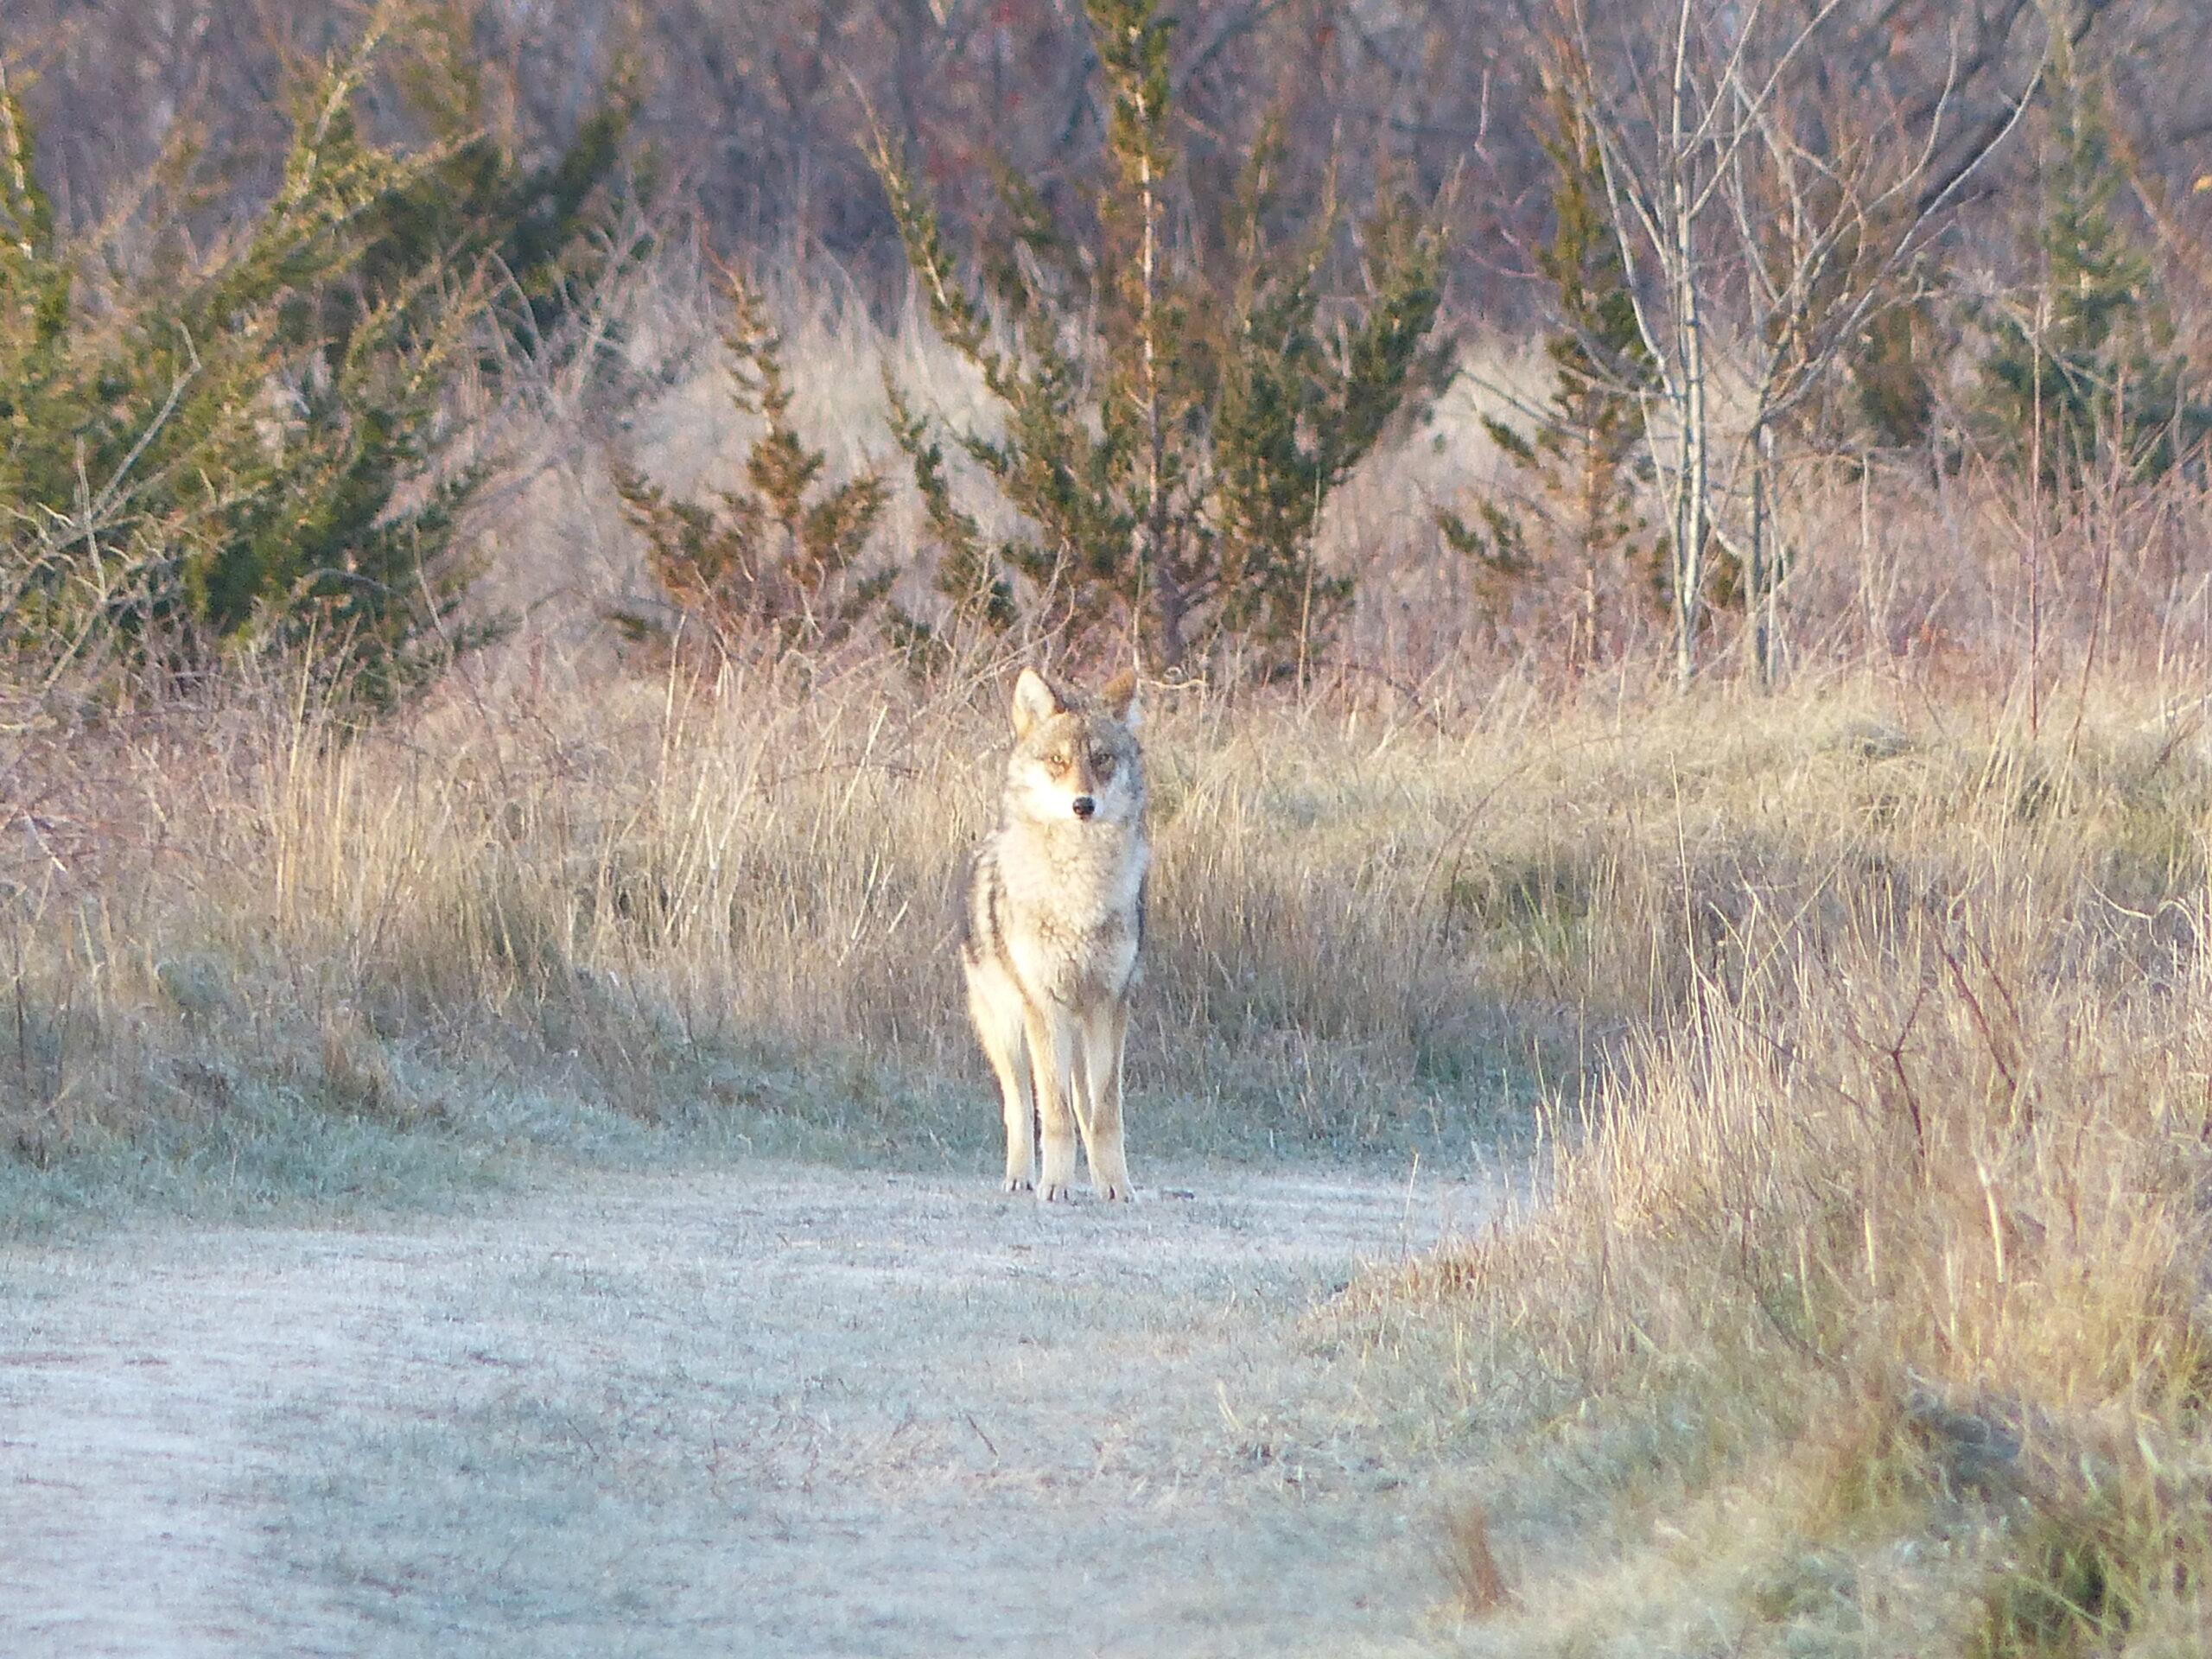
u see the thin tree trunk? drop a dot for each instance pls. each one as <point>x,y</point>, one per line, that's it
<point>1690,483</point>
<point>1763,573</point>
<point>2034,523</point>
<point>1168,594</point>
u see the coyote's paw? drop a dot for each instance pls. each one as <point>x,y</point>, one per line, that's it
<point>1017,1184</point>
<point>1120,1191</point>
<point>1055,1192</point>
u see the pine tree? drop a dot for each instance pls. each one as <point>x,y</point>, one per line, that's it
<point>2085,376</point>
<point>241,450</point>
<point>970,575</point>
<point>779,558</point>
<point>1890,375</point>
<point>1581,464</point>
<point>1171,434</point>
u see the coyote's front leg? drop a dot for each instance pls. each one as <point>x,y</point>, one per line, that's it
<point>1105,1035</point>
<point>1009,1058</point>
<point>1052,1055</point>
<point>996,1007</point>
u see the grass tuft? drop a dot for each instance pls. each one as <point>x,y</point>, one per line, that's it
<point>1478,1583</point>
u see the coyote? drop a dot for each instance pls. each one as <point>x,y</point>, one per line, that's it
<point>1050,921</point>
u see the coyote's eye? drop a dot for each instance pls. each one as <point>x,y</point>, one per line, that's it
<point>1057,762</point>
<point>1102,763</point>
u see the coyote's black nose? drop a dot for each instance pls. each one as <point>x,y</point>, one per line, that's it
<point>1084,806</point>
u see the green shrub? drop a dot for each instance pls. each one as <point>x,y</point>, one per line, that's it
<point>2082,377</point>
<point>203,452</point>
<point>778,554</point>
<point>1576,534</point>
<point>1171,431</point>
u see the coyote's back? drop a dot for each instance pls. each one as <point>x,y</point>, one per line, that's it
<point>1053,917</point>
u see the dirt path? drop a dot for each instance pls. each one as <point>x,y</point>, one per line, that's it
<point>772,1410</point>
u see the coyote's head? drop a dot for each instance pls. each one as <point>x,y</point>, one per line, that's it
<point>1075,757</point>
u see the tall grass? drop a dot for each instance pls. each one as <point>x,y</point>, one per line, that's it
<point>688,896</point>
<point>1860,1306</point>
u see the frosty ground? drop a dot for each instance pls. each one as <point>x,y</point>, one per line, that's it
<point>767,1409</point>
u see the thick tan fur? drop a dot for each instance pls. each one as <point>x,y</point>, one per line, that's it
<point>1053,918</point>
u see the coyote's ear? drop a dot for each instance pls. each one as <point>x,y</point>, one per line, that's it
<point>1034,700</point>
<point>1120,698</point>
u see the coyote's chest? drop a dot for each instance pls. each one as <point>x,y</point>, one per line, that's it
<point>1074,910</point>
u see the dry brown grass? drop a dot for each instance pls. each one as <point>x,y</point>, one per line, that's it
<point>1862,1301</point>
<point>1861,1309</point>
<point>719,898</point>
